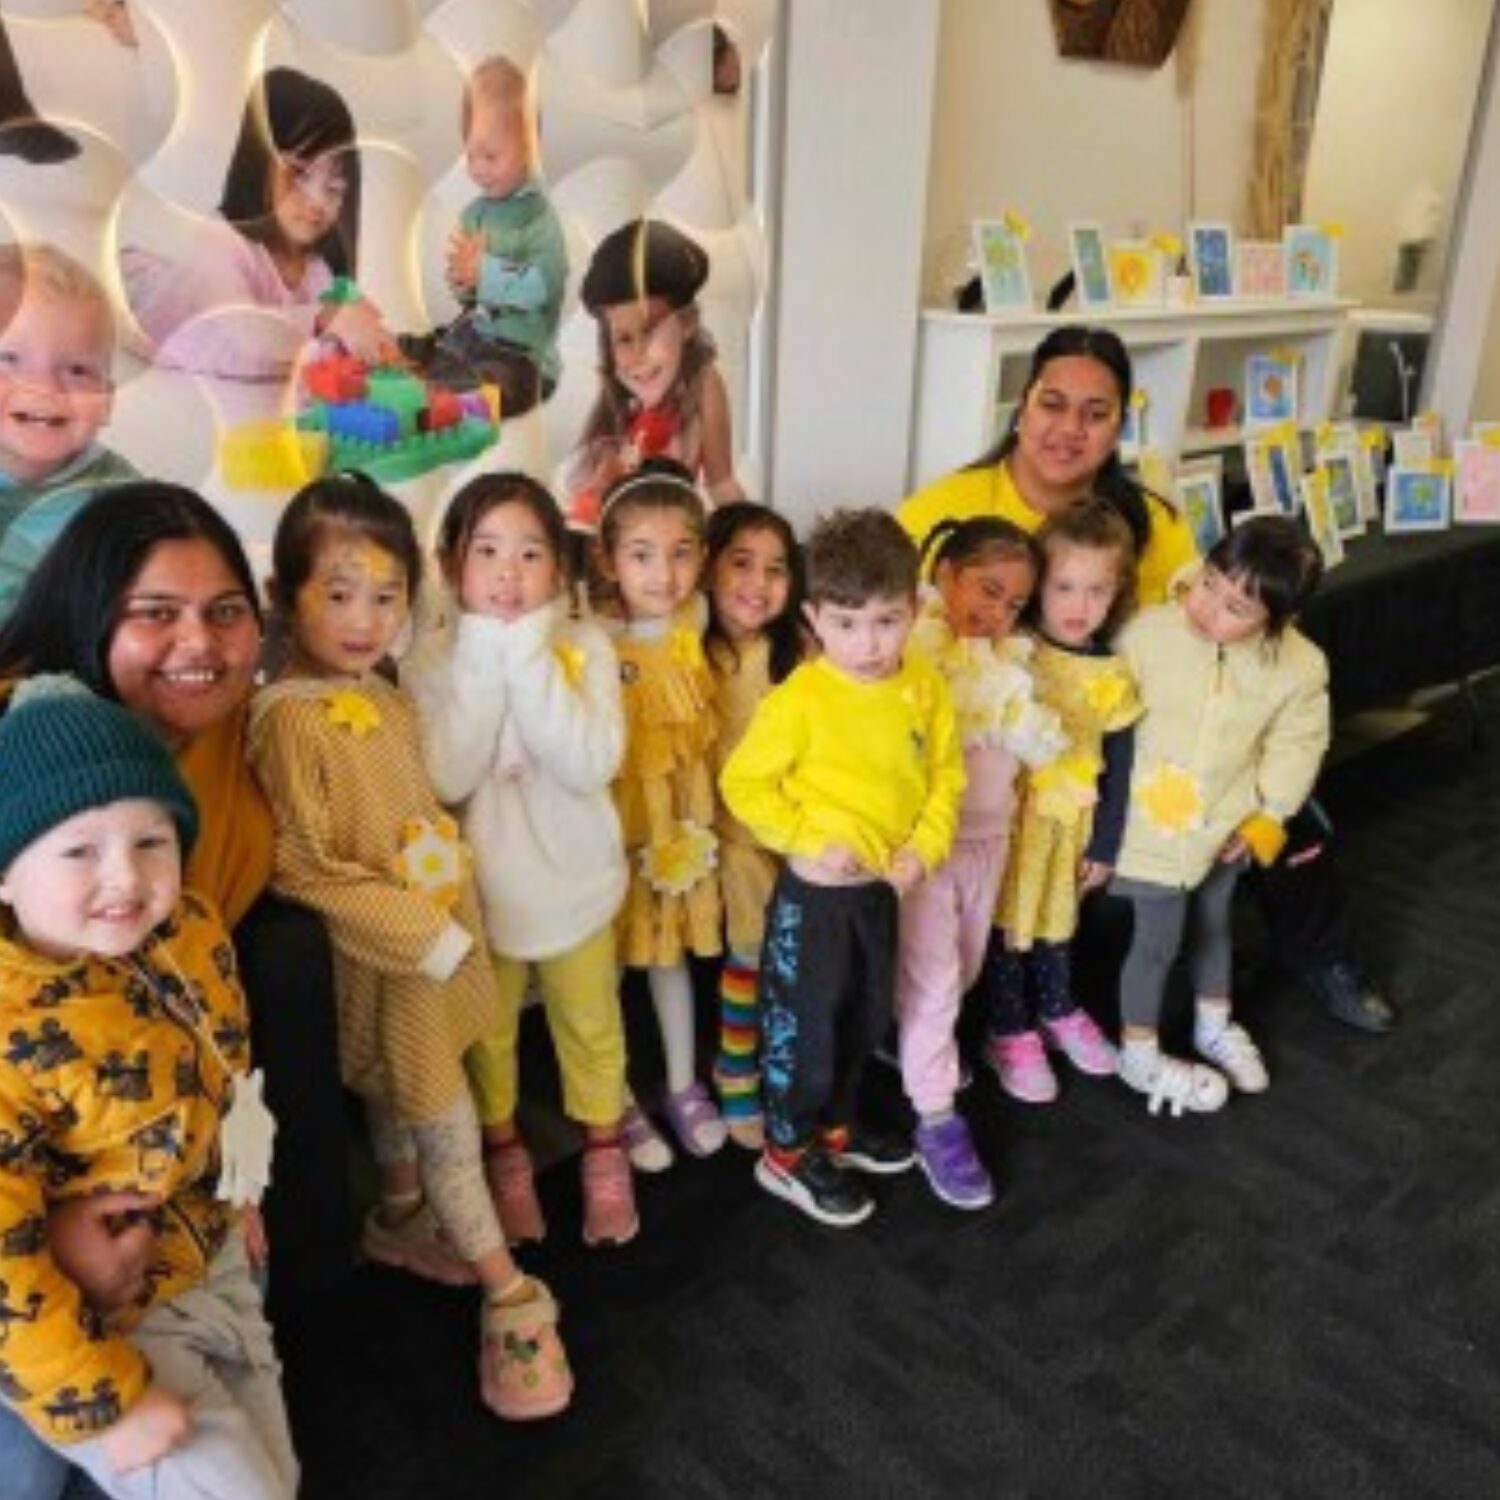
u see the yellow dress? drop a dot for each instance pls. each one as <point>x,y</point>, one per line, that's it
<point>665,797</point>
<point>1093,696</point>
<point>747,872</point>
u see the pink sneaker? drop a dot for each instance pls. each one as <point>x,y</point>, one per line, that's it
<point>1020,1063</point>
<point>512,1183</point>
<point>609,1216</point>
<point>1079,1040</point>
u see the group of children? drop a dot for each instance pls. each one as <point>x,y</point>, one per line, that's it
<point>879,798</point>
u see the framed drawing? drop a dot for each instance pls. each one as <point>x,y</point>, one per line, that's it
<point>1342,492</point>
<point>1476,483</point>
<point>1320,521</point>
<point>1417,499</point>
<point>1486,432</point>
<point>1345,438</point>
<point>1312,267</point>
<point>1411,447</point>
<point>1137,274</point>
<point>1001,256</point>
<point>1259,268</point>
<point>1090,265</point>
<point>1273,483</point>
<point>1270,390</point>
<point>1211,255</point>
<point>1200,493</point>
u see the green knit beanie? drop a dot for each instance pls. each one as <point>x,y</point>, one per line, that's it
<point>64,751</point>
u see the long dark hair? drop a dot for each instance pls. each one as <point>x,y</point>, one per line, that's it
<point>289,114</point>
<point>784,633</point>
<point>1111,483</point>
<point>487,492</point>
<point>66,617</point>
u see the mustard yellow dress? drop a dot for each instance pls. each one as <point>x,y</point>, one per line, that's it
<point>664,795</point>
<point>1092,696</point>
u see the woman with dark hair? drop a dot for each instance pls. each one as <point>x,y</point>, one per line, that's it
<point>288,225</point>
<point>1064,443</point>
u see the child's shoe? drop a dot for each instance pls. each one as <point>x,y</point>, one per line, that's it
<point>1079,1040</point>
<point>1173,1082</point>
<point>644,1145</point>
<point>1020,1063</point>
<point>1230,1049</point>
<point>873,1151</point>
<point>695,1121</point>
<point>609,1216</point>
<point>523,1371</point>
<point>817,1185</point>
<point>946,1155</point>
<point>739,1104</point>
<point>415,1244</point>
<point>512,1181</point>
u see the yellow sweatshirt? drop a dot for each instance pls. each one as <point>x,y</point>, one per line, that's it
<point>875,766</point>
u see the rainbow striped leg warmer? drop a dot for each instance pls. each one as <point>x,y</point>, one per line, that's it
<point>737,1068</point>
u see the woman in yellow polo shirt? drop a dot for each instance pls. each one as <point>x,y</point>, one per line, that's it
<point>1064,443</point>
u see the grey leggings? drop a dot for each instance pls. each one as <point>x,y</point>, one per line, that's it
<point>1160,915</point>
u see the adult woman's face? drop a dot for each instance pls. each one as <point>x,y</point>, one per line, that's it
<point>1069,425</point>
<point>186,642</point>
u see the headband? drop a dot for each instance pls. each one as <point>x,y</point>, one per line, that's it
<point>638,481</point>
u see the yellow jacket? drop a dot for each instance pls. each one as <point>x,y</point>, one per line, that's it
<point>875,766</point>
<point>991,491</point>
<point>104,1088</point>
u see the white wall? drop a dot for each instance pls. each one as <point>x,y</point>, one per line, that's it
<point>1393,118</point>
<point>858,98</point>
<point>1018,126</point>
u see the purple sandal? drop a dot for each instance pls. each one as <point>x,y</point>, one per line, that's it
<point>695,1121</point>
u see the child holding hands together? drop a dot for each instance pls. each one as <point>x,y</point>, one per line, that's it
<point>851,768</point>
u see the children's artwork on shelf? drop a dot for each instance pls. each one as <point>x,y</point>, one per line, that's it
<point>1417,499</point>
<point>1342,490</point>
<point>1311,261</point>
<point>1211,252</point>
<point>1476,483</point>
<point>1200,493</point>
<point>1412,447</point>
<point>1137,274</point>
<point>1000,249</point>
<point>1133,422</point>
<point>1430,422</point>
<point>1090,265</point>
<point>1270,389</point>
<point>1487,433</point>
<point>1259,268</point>
<point>1272,482</point>
<point>1348,440</point>
<point>1320,518</point>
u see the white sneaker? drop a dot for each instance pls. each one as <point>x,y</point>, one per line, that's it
<point>1236,1056</point>
<point>1172,1082</point>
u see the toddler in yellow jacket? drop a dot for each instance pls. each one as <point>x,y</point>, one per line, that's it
<point>852,769</point>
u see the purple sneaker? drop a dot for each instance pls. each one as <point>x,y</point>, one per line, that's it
<point>946,1155</point>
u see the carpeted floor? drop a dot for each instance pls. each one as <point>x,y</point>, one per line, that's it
<point>1297,1298</point>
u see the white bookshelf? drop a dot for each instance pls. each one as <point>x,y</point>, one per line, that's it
<point>972,366</point>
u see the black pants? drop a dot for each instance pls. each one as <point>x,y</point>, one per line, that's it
<point>827,994</point>
<point>286,966</point>
<point>1303,901</point>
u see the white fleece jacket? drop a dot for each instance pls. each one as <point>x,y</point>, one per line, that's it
<point>523,731</point>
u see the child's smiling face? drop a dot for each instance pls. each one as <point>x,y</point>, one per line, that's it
<point>646,341</point>
<point>751,582</point>
<point>498,149</point>
<point>55,389</point>
<point>346,617</point>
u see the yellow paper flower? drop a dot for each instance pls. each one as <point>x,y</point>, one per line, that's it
<point>432,859</point>
<point>1105,692</point>
<point>570,659</point>
<point>1171,799</point>
<point>1068,787</point>
<point>676,864</point>
<point>354,712</point>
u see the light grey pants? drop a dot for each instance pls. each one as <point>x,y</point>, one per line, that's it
<point>1161,913</point>
<point>211,1346</point>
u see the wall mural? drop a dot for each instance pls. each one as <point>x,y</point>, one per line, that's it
<point>357,231</point>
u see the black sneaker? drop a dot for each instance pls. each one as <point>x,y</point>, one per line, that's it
<point>1349,997</point>
<point>875,1152</point>
<point>819,1187</point>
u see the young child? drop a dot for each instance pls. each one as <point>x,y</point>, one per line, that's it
<point>852,769</point>
<point>288,224</point>
<point>507,259</point>
<point>126,1070</point>
<point>361,839</point>
<point>1072,810</point>
<point>1235,728</point>
<point>57,338</point>
<point>651,554</point>
<point>754,639</point>
<point>522,728</point>
<point>984,571</point>
<point>660,393</point>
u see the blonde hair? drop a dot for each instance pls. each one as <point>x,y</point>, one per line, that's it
<point>496,83</point>
<point>37,267</point>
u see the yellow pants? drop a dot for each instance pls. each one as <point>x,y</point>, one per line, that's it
<point>580,992</point>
